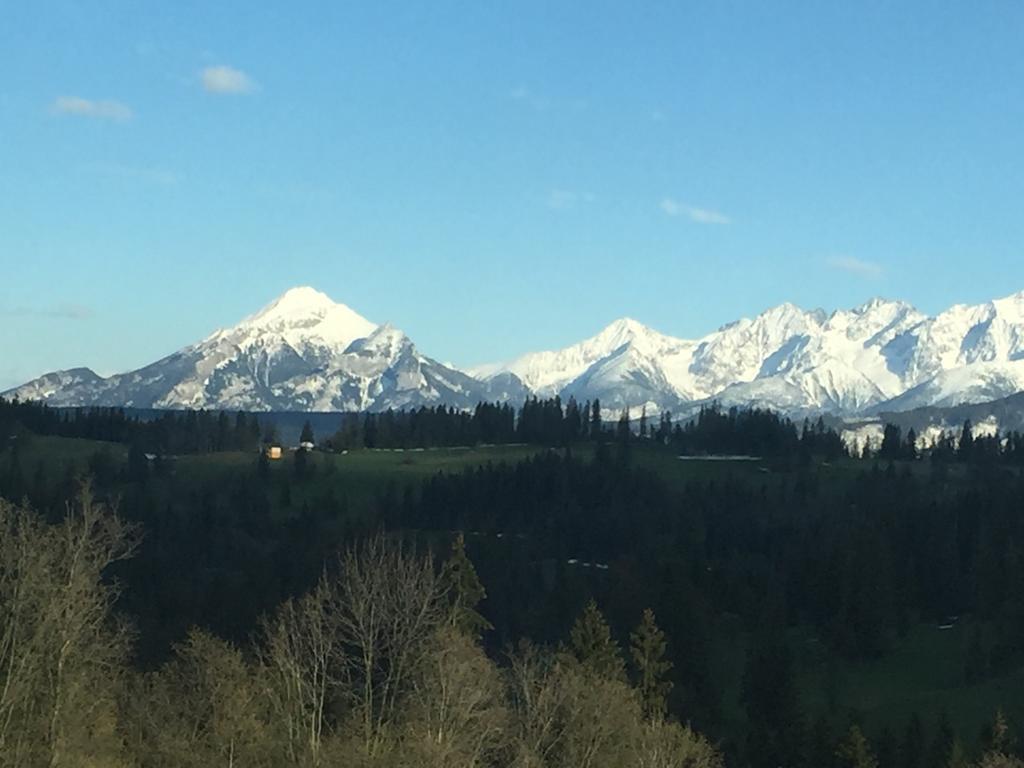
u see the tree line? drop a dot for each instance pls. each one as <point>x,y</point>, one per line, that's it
<point>949,447</point>
<point>537,421</point>
<point>714,430</point>
<point>163,432</point>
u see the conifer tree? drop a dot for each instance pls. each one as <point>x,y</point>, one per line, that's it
<point>855,752</point>
<point>592,644</point>
<point>911,450</point>
<point>912,751</point>
<point>301,464</point>
<point>622,430</point>
<point>307,433</point>
<point>647,647</point>
<point>999,736</point>
<point>465,591</point>
<point>957,756</point>
<point>942,744</point>
<point>966,445</point>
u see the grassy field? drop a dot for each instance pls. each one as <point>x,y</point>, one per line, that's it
<point>922,673</point>
<point>358,476</point>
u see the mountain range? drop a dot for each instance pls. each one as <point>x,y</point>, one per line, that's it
<point>305,352</point>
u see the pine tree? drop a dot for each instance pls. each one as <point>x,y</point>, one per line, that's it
<point>966,445</point>
<point>592,644</point>
<point>892,442</point>
<point>957,756</point>
<point>887,749</point>
<point>307,433</point>
<point>465,591</point>
<point>912,751</point>
<point>911,449</point>
<point>772,701</point>
<point>648,646</point>
<point>622,430</point>
<point>855,752</point>
<point>301,464</point>
<point>999,738</point>
<point>942,745</point>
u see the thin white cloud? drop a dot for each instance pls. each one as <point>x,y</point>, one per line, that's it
<point>564,199</point>
<point>104,110</point>
<point>560,199</point>
<point>64,311</point>
<point>158,176</point>
<point>525,96</point>
<point>675,208</point>
<point>225,79</point>
<point>855,266</point>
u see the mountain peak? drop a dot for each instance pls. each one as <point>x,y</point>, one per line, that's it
<point>304,314</point>
<point>295,302</point>
<point>623,331</point>
<point>624,326</point>
<point>877,302</point>
<point>1014,303</point>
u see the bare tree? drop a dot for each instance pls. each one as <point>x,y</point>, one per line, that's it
<point>62,656</point>
<point>662,744</point>
<point>389,603</point>
<point>301,655</point>
<point>457,717</point>
<point>538,700</point>
<point>204,707</point>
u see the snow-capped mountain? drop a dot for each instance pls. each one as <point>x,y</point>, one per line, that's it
<point>880,356</point>
<point>302,352</point>
<point>305,352</point>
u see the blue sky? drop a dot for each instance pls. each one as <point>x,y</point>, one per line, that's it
<point>495,178</point>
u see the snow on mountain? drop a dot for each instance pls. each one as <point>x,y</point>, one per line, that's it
<point>50,384</point>
<point>306,352</point>
<point>302,352</point>
<point>547,373</point>
<point>976,383</point>
<point>852,361</point>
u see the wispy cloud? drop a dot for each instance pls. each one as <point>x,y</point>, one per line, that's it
<point>564,199</point>
<point>104,110</point>
<point>225,79</point>
<point>158,176</point>
<point>855,266</point>
<point>527,97</point>
<point>675,208</point>
<point>63,311</point>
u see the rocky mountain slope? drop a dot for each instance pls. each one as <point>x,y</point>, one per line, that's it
<point>305,352</point>
<point>880,356</point>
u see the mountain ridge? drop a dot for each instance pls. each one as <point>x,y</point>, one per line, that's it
<point>304,351</point>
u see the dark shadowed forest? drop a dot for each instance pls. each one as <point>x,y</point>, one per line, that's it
<point>498,587</point>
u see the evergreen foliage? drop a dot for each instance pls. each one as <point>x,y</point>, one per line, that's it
<point>464,590</point>
<point>648,647</point>
<point>592,646</point>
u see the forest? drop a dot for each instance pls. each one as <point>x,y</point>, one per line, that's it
<point>575,595</point>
